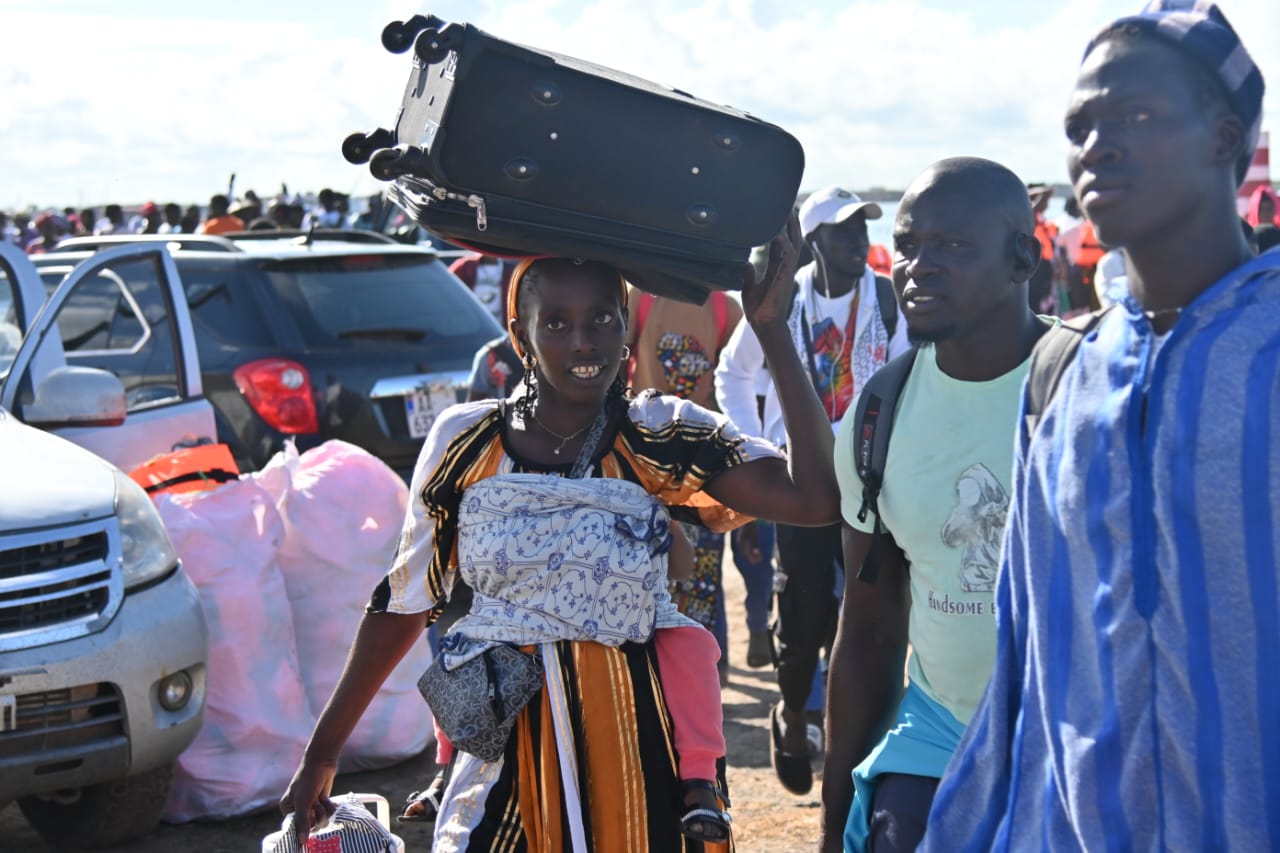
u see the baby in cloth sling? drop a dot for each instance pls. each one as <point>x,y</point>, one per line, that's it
<point>551,558</point>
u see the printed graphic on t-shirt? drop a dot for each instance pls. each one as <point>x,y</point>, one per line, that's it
<point>683,363</point>
<point>976,526</point>
<point>834,382</point>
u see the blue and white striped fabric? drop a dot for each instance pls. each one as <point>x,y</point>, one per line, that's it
<point>1199,29</point>
<point>1135,703</point>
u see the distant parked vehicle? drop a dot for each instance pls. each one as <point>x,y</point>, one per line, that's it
<point>338,334</point>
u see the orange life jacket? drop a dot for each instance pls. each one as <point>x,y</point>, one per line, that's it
<point>191,469</point>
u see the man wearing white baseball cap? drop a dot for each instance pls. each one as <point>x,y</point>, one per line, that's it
<point>845,327</point>
<point>834,206</point>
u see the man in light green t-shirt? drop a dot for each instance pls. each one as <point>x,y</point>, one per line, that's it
<point>963,251</point>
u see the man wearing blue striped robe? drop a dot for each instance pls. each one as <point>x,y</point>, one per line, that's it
<point>1135,703</point>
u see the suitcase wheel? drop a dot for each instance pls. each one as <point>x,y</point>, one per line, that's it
<point>433,45</point>
<point>359,147</point>
<point>398,36</point>
<point>387,164</point>
<point>382,164</point>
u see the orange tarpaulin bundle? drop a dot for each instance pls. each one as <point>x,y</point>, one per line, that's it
<point>192,469</point>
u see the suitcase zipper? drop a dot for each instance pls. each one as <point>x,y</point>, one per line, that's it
<point>472,201</point>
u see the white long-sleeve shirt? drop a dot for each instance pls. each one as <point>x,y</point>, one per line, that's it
<point>741,374</point>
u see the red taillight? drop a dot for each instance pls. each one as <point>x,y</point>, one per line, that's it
<point>280,391</point>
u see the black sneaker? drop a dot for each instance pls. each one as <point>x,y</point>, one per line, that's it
<point>759,649</point>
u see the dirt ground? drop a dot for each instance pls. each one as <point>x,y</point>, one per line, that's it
<point>765,816</point>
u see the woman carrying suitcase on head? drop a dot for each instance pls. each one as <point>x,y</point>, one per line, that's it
<point>596,758</point>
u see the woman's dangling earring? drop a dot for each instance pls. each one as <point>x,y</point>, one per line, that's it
<point>616,396</point>
<point>626,353</point>
<point>524,405</point>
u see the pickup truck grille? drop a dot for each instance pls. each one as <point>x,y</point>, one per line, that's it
<point>46,594</point>
<point>40,723</point>
<point>46,556</point>
<point>58,583</point>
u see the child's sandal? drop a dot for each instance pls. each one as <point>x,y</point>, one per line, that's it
<point>703,823</point>
<point>429,800</point>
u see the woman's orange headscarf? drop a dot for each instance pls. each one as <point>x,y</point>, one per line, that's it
<point>513,296</point>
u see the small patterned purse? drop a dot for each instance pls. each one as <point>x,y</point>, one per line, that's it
<point>476,703</point>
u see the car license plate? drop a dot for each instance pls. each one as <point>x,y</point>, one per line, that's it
<point>423,404</point>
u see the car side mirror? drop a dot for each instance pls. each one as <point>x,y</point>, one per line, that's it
<point>76,397</point>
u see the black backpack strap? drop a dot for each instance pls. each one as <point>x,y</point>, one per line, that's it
<point>1049,360</point>
<point>873,419</point>
<point>888,302</point>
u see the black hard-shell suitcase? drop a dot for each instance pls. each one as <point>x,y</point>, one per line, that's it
<point>518,151</point>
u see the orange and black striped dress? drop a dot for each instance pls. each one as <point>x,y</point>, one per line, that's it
<point>618,744</point>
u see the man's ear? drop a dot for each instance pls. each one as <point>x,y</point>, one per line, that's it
<point>1229,140</point>
<point>1025,250</point>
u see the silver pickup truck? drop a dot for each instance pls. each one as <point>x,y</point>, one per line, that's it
<point>103,643</point>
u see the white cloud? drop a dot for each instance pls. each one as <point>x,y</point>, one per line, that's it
<point>102,104</point>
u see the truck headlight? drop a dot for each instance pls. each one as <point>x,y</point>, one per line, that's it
<point>144,545</point>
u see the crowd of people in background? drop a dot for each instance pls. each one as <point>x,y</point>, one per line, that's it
<point>38,230</point>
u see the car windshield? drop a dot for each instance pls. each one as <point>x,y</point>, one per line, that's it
<point>380,297</point>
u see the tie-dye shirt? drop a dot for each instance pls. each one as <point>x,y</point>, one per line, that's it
<point>832,346</point>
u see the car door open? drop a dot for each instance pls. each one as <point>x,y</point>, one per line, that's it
<point>121,311</point>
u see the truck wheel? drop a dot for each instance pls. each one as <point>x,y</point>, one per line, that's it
<point>100,815</point>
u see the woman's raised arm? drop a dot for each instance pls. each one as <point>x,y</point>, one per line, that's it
<point>803,491</point>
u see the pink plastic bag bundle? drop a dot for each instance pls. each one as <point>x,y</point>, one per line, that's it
<point>343,510</point>
<point>257,717</point>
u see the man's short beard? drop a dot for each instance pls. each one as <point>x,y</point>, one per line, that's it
<point>916,337</point>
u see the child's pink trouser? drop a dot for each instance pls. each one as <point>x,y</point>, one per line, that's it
<point>687,671</point>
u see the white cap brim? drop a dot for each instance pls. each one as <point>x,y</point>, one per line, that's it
<point>869,209</point>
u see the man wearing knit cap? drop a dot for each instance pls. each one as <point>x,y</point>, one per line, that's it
<point>1135,703</point>
<point>844,323</point>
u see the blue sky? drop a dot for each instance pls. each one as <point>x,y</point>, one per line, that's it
<point>124,100</point>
